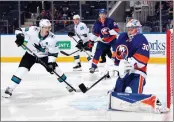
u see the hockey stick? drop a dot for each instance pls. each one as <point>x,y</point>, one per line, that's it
<point>70,53</point>
<point>84,89</point>
<point>24,46</point>
<point>82,48</point>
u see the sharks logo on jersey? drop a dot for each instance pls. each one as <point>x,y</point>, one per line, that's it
<point>122,52</point>
<point>39,47</point>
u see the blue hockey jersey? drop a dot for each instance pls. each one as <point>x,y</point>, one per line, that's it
<point>137,48</point>
<point>102,29</point>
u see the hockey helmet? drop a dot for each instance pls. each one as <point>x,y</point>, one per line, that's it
<point>76,16</point>
<point>133,23</point>
<point>44,23</point>
<point>102,11</point>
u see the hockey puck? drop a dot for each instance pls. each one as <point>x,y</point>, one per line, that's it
<point>83,88</point>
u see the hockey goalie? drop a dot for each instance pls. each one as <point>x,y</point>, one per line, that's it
<point>132,55</point>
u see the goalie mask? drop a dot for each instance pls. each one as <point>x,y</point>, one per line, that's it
<point>133,28</point>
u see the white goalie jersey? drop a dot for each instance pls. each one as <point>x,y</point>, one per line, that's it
<point>82,30</point>
<point>42,47</point>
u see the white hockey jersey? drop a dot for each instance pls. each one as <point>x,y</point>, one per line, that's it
<point>82,30</point>
<point>42,47</point>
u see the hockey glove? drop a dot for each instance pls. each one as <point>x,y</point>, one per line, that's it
<point>70,34</point>
<point>125,67</point>
<point>20,39</point>
<point>90,44</point>
<point>80,45</point>
<point>51,67</point>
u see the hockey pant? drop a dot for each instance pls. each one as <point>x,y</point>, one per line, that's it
<point>99,49</point>
<point>25,65</point>
<point>105,52</point>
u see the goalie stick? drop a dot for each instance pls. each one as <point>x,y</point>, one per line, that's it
<point>84,89</point>
<point>24,46</point>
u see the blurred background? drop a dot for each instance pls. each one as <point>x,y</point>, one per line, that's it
<point>155,16</point>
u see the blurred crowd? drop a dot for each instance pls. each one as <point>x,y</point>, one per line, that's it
<point>60,16</point>
<point>62,13</point>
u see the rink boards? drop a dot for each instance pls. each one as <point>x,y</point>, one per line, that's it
<point>11,53</point>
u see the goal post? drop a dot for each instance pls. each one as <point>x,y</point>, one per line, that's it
<point>170,67</point>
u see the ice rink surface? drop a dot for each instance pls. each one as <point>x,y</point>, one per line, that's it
<point>41,97</point>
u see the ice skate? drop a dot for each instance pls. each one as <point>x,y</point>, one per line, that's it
<point>69,89</point>
<point>103,61</point>
<point>92,70</point>
<point>77,67</point>
<point>7,93</point>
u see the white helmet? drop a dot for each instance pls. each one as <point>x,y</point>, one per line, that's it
<point>76,16</point>
<point>133,23</point>
<point>44,23</point>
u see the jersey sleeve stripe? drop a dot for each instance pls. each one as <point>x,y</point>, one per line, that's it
<point>140,87</point>
<point>97,35</point>
<point>141,58</point>
<point>117,30</point>
<point>109,39</point>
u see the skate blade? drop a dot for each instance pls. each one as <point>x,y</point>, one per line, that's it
<point>77,69</point>
<point>6,96</point>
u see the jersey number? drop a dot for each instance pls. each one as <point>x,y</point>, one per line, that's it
<point>145,47</point>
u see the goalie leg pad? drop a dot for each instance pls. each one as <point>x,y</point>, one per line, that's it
<point>135,81</point>
<point>135,102</point>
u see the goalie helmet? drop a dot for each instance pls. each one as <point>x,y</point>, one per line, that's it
<point>133,23</point>
<point>44,23</point>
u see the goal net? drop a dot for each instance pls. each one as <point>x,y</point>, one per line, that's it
<point>169,49</point>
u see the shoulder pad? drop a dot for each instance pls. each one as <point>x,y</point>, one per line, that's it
<point>110,20</point>
<point>123,34</point>
<point>18,29</point>
<point>33,28</point>
<point>96,22</point>
<point>52,35</point>
<point>36,28</point>
<point>83,24</point>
